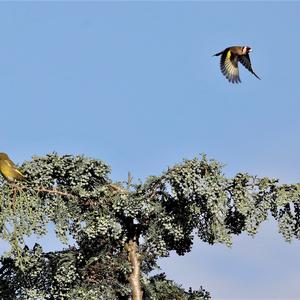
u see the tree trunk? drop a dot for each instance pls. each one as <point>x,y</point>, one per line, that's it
<point>135,276</point>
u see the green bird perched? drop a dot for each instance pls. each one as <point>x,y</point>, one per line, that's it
<point>8,169</point>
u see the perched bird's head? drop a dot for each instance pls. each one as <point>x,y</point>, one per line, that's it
<point>246,49</point>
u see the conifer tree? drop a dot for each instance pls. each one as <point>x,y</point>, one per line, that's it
<point>120,229</point>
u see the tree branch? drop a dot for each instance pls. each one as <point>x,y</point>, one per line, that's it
<point>54,191</point>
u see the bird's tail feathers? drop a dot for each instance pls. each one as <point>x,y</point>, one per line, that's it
<point>217,54</point>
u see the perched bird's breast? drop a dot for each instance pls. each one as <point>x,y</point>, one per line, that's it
<point>5,170</point>
<point>9,171</point>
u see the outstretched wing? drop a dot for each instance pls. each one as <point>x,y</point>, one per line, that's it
<point>245,61</point>
<point>229,66</point>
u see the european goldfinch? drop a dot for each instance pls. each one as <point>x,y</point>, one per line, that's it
<point>8,169</point>
<point>230,58</point>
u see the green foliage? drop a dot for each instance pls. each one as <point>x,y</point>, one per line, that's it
<point>163,213</point>
<point>286,210</point>
<point>70,173</point>
<point>160,288</point>
<point>64,275</point>
<point>27,209</point>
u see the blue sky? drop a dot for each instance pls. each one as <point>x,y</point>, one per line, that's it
<point>135,84</point>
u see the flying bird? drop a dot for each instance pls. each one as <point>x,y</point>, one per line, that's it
<point>230,57</point>
<point>9,170</point>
